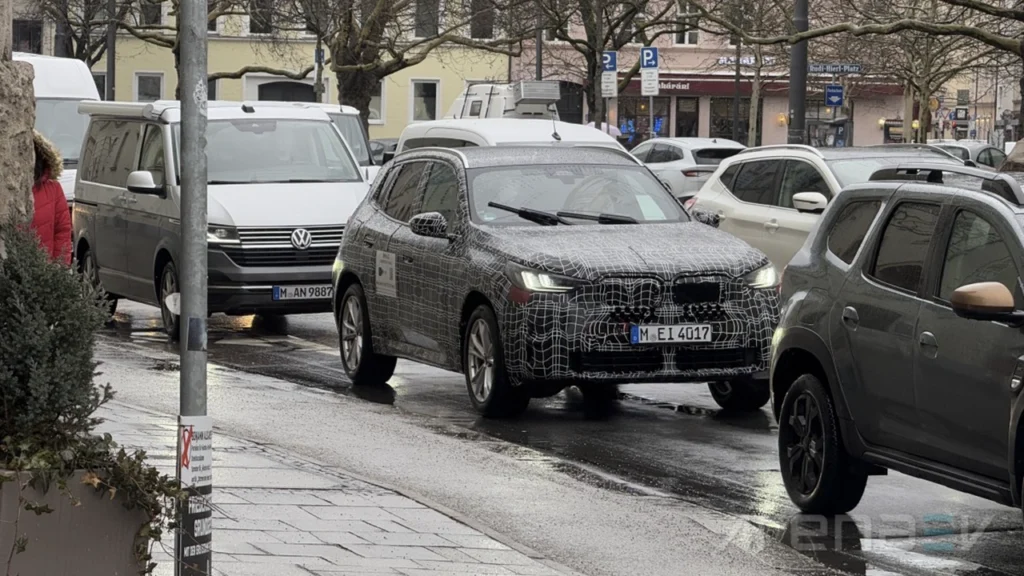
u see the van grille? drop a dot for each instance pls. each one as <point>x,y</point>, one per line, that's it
<point>273,247</point>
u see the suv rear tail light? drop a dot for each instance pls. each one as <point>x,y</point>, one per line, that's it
<point>691,173</point>
<point>690,202</point>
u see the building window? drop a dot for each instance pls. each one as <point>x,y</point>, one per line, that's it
<point>481,24</point>
<point>260,16</point>
<point>377,104</point>
<point>721,120</point>
<point>151,13</point>
<point>28,36</point>
<point>211,90</point>
<point>427,17</point>
<point>424,100</point>
<point>688,35</point>
<point>211,21</point>
<point>149,87</point>
<point>687,117</point>
<point>101,83</point>
<point>635,117</point>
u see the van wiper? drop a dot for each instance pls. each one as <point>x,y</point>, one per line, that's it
<point>599,218</point>
<point>536,216</point>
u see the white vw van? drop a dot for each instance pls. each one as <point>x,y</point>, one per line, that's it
<point>60,84</point>
<point>282,184</point>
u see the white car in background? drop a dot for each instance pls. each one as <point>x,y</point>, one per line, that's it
<point>685,164</point>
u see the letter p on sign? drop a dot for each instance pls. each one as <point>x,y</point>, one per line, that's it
<point>649,57</point>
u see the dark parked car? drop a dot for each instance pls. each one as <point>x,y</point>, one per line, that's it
<point>531,269</point>
<point>380,146</point>
<point>900,343</point>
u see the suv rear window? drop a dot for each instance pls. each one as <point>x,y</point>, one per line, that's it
<point>714,156</point>
<point>850,227</point>
<point>904,245</point>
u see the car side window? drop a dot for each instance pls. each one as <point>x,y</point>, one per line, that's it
<point>402,199</point>
<point>669,153</point>
<point>996,156</point>
<point>111,146</point>
<point>728,175</point>
<point>904,245</point>
<point>152,157</point>
<point>799,177</point>
<point>657,155</point>
<point>985,157</point>
<point>756,182</point>
<point>976,253</point>
<point>643,152</point>
<point>850,227</point>
<point>441,194</point>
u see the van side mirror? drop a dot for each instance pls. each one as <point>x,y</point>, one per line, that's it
<point>143,182</point>
<point>814,202</point>
<point>429,224</point>
<point>986,301</point>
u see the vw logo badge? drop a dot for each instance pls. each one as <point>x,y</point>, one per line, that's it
<point>301,238</point>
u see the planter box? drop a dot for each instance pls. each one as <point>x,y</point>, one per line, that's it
<point>94,539</point>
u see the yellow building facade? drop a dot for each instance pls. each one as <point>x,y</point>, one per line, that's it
<point>145,72</point>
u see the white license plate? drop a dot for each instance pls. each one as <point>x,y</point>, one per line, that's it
<point>316,292</point>
<point>678,334</point>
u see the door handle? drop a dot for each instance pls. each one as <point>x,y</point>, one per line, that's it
<point>771,225</point>
<point>927,340</point>
<point>407,259</point>
<point>850,317</point>
<point>368,242</point>
<point>130,199</point>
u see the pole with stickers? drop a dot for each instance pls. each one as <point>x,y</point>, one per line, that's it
<point>649,81</point>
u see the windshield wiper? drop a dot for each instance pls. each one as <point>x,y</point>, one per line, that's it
<point>599,218</point>
<point>536,216</point>
<point>221,182</point>
<point>68,162</point>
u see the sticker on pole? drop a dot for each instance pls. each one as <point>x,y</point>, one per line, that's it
<point>193,540</point>
<point>195,451</point>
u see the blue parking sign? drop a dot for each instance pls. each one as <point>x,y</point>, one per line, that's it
<point>610,61</point>
<point>649,58</point>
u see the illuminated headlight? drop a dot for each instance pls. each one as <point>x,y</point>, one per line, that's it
<point>538,281</point>
<point>221,235</point>
<point>765,277</point>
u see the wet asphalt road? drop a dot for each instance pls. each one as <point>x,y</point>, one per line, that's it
<point>666,440</point>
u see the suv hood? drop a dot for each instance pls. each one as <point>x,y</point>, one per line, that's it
<point>592,251</point>
<point>277,204</point>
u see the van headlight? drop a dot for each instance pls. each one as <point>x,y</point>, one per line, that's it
<point>222,235</point>
<point>539,281</point>
<point>764,277</point>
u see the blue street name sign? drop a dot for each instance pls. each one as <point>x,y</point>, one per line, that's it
<point>649,58</point>
<point>610,61</point>
<point>834,95</point>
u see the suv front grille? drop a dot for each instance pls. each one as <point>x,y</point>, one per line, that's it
<point>273,247</point>
<point>699,292</point>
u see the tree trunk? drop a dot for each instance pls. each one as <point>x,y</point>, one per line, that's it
<point>17,115</point>
<point>755,95</point>
<point>356,89</point>
<point>1020,113</point>
<point>908,113</point>
<point>924,116</point>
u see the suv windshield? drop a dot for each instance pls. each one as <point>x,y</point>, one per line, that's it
<point>61,123</point>
<point>581,189</point>
<point>858,170</point>
<point>351,128</point>
<point>247,151</point>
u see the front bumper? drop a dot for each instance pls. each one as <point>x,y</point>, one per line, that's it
<point>584,336</point>
<point>239,290</point>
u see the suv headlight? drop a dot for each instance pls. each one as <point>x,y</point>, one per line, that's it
<point>222,235</point>
<point>538,281</point>
<point>764,277</point>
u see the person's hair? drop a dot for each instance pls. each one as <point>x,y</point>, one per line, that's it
<point>40,164</point>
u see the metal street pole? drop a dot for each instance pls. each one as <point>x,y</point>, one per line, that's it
<point>111,48</point>
<point>539,46</point>
<point>798,78</point>
<point>195,429</point>
<point>736,93</point>
<point>318,59</point>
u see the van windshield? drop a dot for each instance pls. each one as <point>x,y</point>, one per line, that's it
<point>61,123</point>
<point>351,128</point>
<point>256,151</point>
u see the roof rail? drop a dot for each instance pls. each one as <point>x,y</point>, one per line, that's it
<point>916,146</point>
<point>614,149</point>
<point>1000,185</point>
<point>803,147</point>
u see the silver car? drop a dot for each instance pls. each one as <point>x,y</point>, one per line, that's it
<point>684,164</point>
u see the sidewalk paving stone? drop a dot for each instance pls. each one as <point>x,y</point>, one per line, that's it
<point>279,515</point>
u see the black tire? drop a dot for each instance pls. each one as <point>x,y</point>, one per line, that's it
<point>600,401</point>
<point>168,284</point>
<point>820,476</point>
<point>741,394</point>
<point>363,366</point>
<point>483,358</point>
<point>89,271</point>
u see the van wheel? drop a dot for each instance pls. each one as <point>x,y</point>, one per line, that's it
<point>169,285</point>
<point>486,378</point>
<point>91,274</point>
<point>820,476</point>
<point>741,395</point>
<point>363,366</point>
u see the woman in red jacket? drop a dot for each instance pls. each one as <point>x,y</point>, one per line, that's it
<point>52,219</point>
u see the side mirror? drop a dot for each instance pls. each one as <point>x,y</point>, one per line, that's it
<point>705,217</point>
<point>142,182</point>
<point>989,301</point>
<point>429,224</point>
<point>810,201</point>
<point>388,156</point>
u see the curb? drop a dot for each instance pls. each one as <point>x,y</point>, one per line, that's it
<point>454,515</point>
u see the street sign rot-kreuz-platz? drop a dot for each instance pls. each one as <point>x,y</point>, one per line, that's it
<point>834,95</point>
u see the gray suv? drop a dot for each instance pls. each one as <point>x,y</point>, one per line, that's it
<point>900,344</point>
